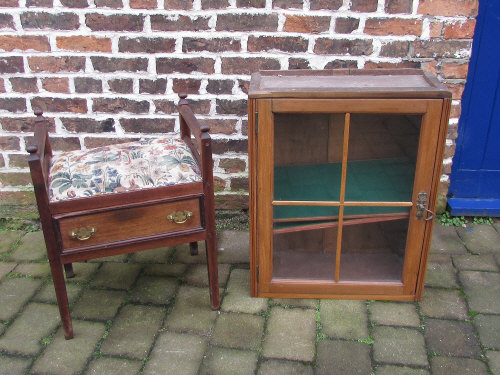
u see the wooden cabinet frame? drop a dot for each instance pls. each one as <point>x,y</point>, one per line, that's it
<point>432,104</point>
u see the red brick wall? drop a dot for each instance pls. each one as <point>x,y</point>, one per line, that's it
<point>109,70</point>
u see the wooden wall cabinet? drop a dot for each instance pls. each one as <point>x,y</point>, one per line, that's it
<point>344,170</point>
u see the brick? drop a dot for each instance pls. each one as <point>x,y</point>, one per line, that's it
<point>210,45</point>
<point>84,43</point>
<point>184,65</point>
<point>147,45</point>
<point>436,29</point>
<point>460,30</point>
<point>395,49</point>
<point>148,125</point>
<point>10,43</point>
<point>251,3</point>
<point>244,84</point>
<point>165,106</point>
<point>2,85</point>
<point>2,164</point>
<point>74,105</point>
<point>398,6</point>
<point>221,126</point>
<point>56,64</point>
<point>92,142</point>
<point>231,202</point>
<point>179,23</point>
<point>153,86</point>
<point>451,8</point>
<point>232,165</point>
<point>18,161</point>
<point>346,25</point>
<point>247,22</point>
<point>39,3</point>
<point>220,146</point>
<point>271,43</point>
<point>442,48</point>
<point>176,353</point>
<point>65,143</point>
<point>456,89</point>
<point>121,86</point>
<point>451,338</point>
<point>325,4</point>
<point>306,24</point>
<point>364,5</point>
<point>114,4</point>
<point>177,4</point>
<point>11,64</point>
<point>291,334</point>
<point>286,4</point>
<point>114,64</point>
<point>118,105</point>
<point>56,84</point>
<point>219,184</point>
<point>298,63</point>
<point>388,26</point>
<point>454,70</point>
<point>214,4</point>
<point>13,104</point>
<point>87,85</point>
<point>24,124</point>
<point>125,22</point>
<point>341,357</point>
<point>187,86</point>
<point>15,179</point>
<point>9,3</point>
<point>232,107</point>
<point>239,184</point>
<point>242,65</point>
<point>356,47</point>
<point>143,4</point>
<point>24,84</point>
<point>341,64</point>
<point>54,21</point>
<point>75,3</point>
<point>9,143</point>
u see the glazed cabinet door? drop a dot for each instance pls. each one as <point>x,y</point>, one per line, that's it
<point>340,194</point>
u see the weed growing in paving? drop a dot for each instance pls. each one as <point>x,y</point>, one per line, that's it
<point>447,220</point>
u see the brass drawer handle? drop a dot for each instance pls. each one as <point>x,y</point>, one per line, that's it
<point>83,234</point>
<point>180,217</point>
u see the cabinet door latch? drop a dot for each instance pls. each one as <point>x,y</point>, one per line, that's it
<point>422,209</point>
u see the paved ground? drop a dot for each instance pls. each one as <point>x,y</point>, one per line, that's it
<point>148,313</point>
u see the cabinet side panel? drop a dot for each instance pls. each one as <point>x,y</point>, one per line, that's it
<point>252,192</point>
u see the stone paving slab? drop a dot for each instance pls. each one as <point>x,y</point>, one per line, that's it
<point>31,247</point>
<point>197,274</point>
<point>240,331</point>
<point>299,302</point>
<point>399,370</point>
<point>14,293</point>
<point>494,361</point>
<point>173,270</point>
<point>480,239</point>
<point>98,304</point>
<point>345,319</point>
<point>5,268</point>
<point>440,272</point>
<point>394,314</point>
<point>442,303</point>
<point>160,255</point>
<point>48,293</point>
<point>343,358</point>
<point>233,247</point>
<point>13,365</point>
<point>446,240</point>
<point>451,338</point>
<point>281,367</point>
<point>116,276</point>
<point>68,357</point>
<point>482,289</point>
<point>83,272</point>
<point>290,334</point>
<point>176,353</point>
<point>183,255</point>
<point>8,239</point>
<point>475,262</point>
<point>488,327</point>
<point>113,366</point>
<point>457,366</point>
<point>36,322</point>
<point>238,294</point>
<point>33,269</point>
<point>155,290</point>
<point>403,346</point>
<point>133,331</point>
<point>223,361</point>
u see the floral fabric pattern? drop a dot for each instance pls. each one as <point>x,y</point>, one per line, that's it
<point>123,167</point>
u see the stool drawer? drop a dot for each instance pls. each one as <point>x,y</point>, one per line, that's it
<point>127,223</point>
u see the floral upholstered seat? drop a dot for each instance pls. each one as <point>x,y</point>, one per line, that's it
<point>146,163</point>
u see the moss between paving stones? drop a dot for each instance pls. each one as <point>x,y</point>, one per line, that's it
<point>114,366</point>
<point>176,353</point>
<point>68,357</point>
<point>394,314</point>
<point>5,268</point>
<point>8,238</point>
<point>223,361</point>
<point>451,338</point>
<point>457,366</point>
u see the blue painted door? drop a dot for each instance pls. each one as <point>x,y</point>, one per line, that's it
<point>475,177</point>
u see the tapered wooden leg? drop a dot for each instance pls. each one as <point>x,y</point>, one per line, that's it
<point>193,248</point>
<point>213,272</point>
<point>68,270</point>
<point>62,297</point>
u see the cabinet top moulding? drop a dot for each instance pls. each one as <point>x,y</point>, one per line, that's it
<point>347,83</point>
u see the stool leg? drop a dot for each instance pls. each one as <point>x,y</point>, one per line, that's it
<point>193,248</point>
<point>68,270</point>
<point>213,273</point>
<point>62,297</point>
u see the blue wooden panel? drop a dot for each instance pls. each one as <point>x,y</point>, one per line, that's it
<point>474,207</point>
<point>476,165</point>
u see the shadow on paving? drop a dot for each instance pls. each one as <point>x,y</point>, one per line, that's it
<point>149,313</point>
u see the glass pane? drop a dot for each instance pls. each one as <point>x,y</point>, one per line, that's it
<point>307,156</point>
<point>382,157</point>
<point>374,251</point>
<point>304,254</point>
